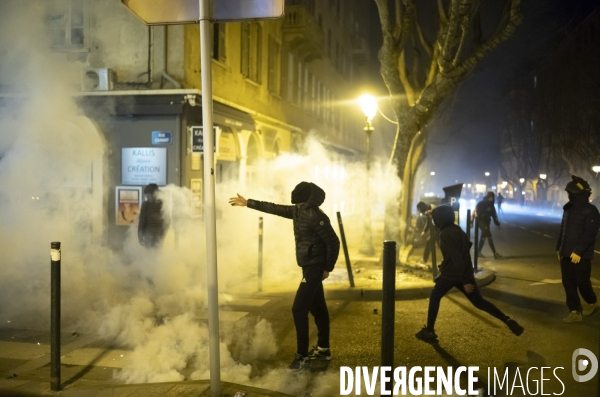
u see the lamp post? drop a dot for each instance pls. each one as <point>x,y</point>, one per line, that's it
<point>522,198</point>
<point>368,105</point>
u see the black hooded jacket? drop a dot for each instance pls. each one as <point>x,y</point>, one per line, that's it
<point>316,241</point>
<point>579,228</point>
<point>486,212</point>
<point>454,245</point>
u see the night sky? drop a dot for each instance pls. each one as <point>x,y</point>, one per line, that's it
<point>465,134</point>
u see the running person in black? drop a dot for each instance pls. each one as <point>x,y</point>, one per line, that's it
<point>317,250</point>
<point>485,212</point>
<point>456,270</point>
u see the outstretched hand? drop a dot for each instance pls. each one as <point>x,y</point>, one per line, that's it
<point>238,201</point>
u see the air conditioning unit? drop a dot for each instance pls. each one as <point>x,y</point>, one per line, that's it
<point>101,79</point>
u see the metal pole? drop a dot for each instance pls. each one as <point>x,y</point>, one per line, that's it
<point>367,243</point>
<point>55,316</point>
<point>476,244</point>
<point>209,200</point>
<point>260,253</point>
<point>434,269</point>
<point>345,246</point>
<point>388,304</point>
<point>468,225</point>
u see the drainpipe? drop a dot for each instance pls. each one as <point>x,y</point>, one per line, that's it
<point>165,73</point>
<point>150,71</point>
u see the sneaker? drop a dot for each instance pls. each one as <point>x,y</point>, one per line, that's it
<point>300,363</point>
<point>588,309</point>
<point>514,326</point>
<point>318,353</point>
<point>572,317</point>
<point>426,334</point>
<point>497,255</point>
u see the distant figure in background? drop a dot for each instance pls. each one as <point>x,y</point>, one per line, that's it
<point>456,270</point>
<point>500,201</point>
<point>425,210</point>
<point>152,225</point>
<point>485,212</point>
<point>575,248</point>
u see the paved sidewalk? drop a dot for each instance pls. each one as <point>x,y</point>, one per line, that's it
<point>413,281</point>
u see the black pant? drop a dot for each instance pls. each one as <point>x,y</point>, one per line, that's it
<point>484,229</point>
<point>577,277</point>
<point>443,286</point>
<point>310,298</point>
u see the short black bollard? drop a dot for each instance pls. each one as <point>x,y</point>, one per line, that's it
<point>434,269</point>
<point>468,230</point>
<point>476,245</point>
<point>388,306</point>
<point>345,247</point>
<point>260,253</point>
<point>55,316</point>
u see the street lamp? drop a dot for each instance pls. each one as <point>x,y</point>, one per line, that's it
<point>368,104</point>
<point>543,176</point>
<point>487,173</point>
<point>521,180</point>
<point>596,169</point>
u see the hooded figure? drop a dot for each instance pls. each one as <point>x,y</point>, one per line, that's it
<point>317,250</point>
<point>575,248</point>
<point>424,208</point>
<point>485,212</point>
<point>152,225</point>
<point>456,270</point>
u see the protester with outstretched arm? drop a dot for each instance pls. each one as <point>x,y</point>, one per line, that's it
<point>317,250</point>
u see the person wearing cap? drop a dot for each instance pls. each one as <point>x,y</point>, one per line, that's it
<point>317,250</point>
<point>575,248</point>
<point>152,225</point>
<point>485,212</point>
<point>456,270</point>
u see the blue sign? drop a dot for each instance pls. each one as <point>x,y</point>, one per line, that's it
<point>198,139</point>
<point>161,138</point>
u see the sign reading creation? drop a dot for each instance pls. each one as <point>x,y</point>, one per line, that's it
<point>143,165</point>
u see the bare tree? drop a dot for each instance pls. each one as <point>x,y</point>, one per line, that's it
<point>422,62</point>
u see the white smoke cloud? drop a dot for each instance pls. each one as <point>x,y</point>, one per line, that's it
<point>150,301</point>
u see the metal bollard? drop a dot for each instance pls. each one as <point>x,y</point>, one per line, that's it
<point>434,269</point>
<point>476,244</point>
<point>260,253</point>
<point>345,247</point>
<point>468,225</point>
<point>388,305</point>
<point>55,316</point>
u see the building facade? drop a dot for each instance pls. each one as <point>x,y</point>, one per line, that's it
<point>275,82</point>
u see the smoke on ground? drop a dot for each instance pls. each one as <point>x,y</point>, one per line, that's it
<point>150,301</point>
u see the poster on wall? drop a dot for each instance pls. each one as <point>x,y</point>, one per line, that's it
<point>128,204</point>
<point>196,188</point>
<point>143,165</point>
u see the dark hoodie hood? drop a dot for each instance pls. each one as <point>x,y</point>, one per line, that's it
<point>317,196</point>
<point>443,216</point>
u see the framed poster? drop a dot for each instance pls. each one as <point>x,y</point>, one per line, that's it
<point>196,188</point>
<point>128,204</point>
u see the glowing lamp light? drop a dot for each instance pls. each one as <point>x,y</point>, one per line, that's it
<point>543,176</point>
<point>432,173</point>
<point>596,168</point>
<point>521,180</point>
<point>487,173</point>
<point>368,104</point>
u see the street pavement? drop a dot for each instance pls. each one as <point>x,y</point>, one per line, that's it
<point>525,284</point>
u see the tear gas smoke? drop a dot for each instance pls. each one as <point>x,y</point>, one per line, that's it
<point>150,301</point>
